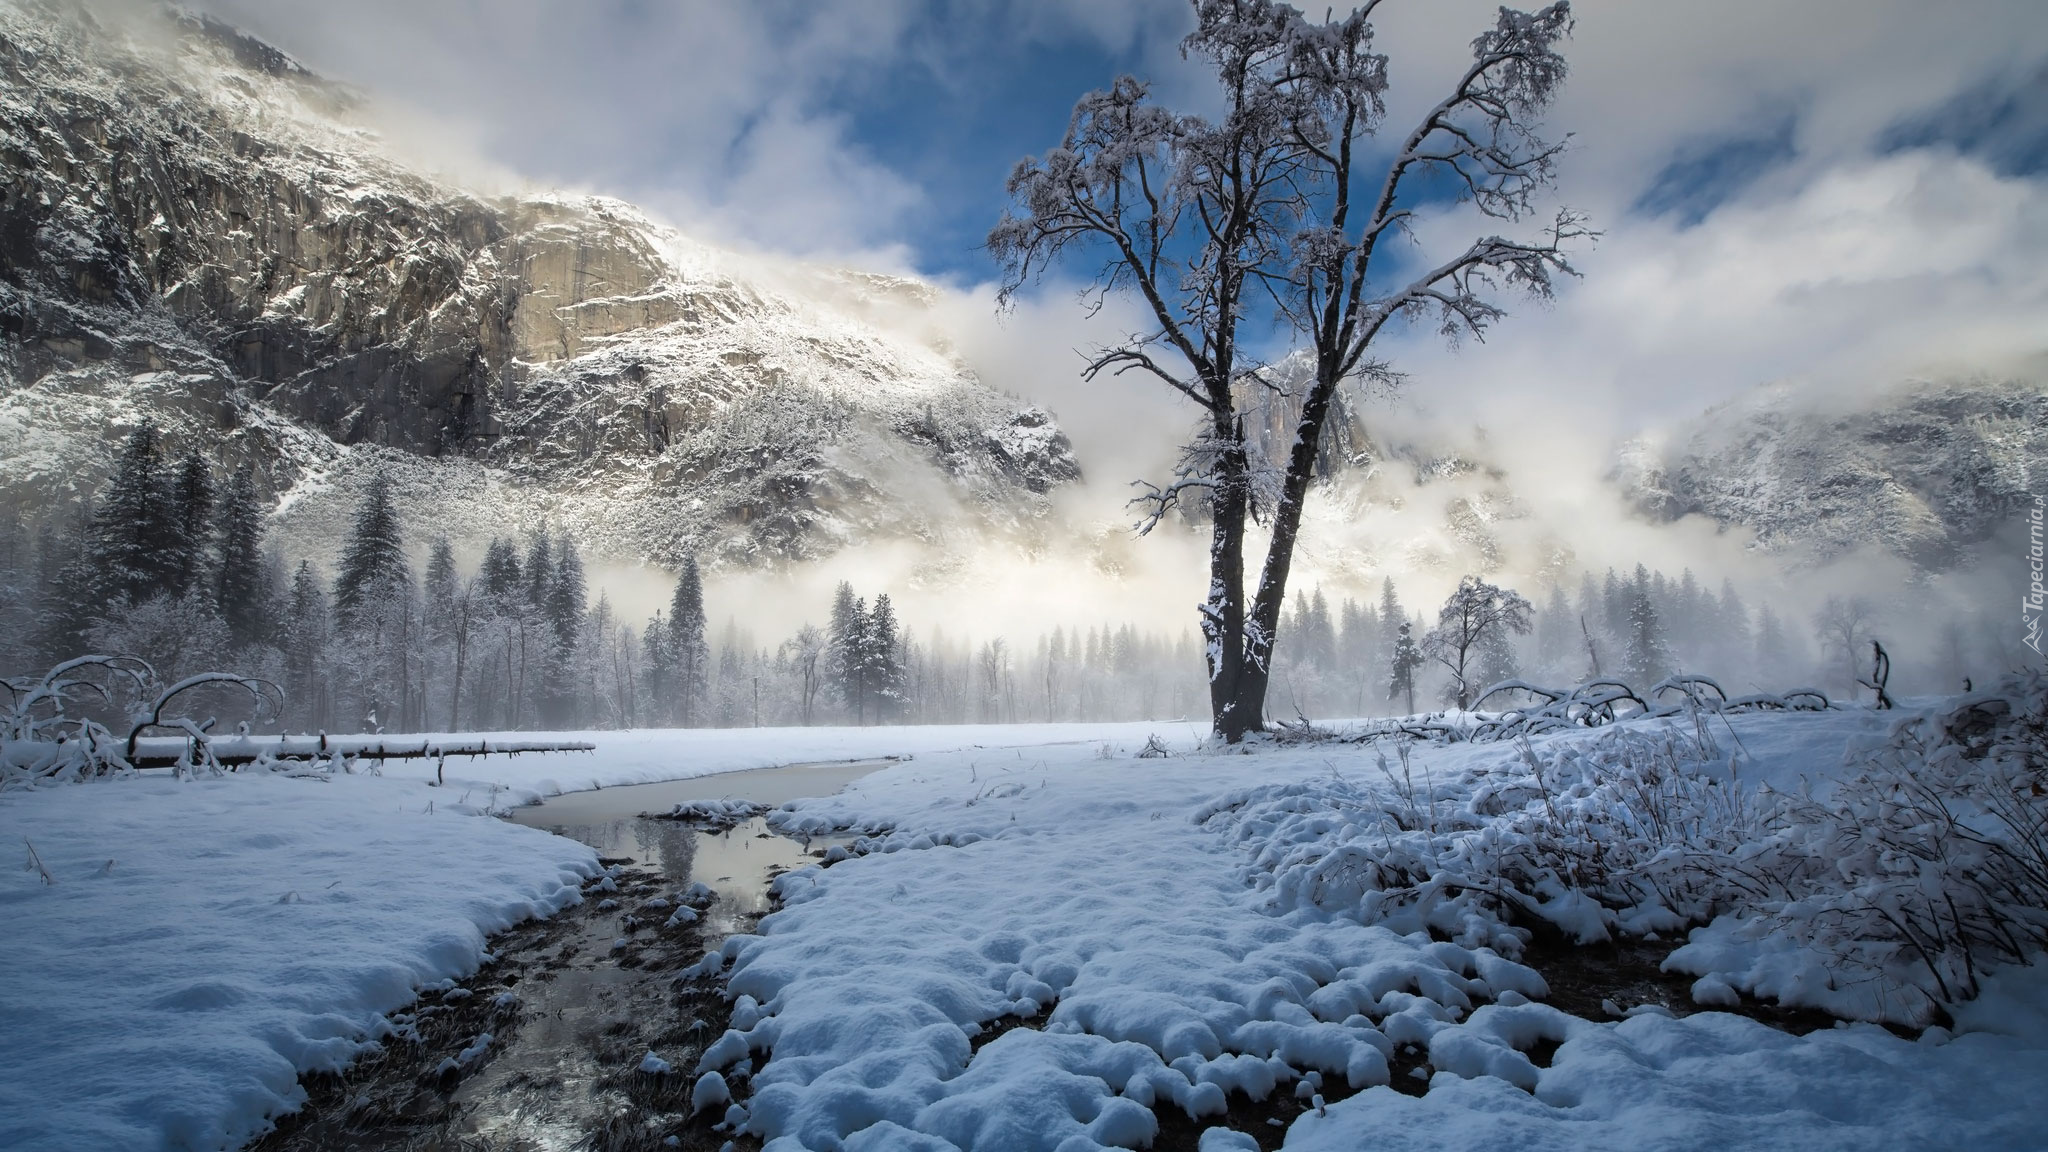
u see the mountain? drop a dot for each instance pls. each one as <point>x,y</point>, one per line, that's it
<point>194,230</point>
<point>1927,471</point>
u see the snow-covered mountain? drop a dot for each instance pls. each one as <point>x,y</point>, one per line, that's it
<point>192,230</point>
<point>1924,472</point>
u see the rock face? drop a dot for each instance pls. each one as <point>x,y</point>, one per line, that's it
<point>1927,473</point>
<point>190,231</point>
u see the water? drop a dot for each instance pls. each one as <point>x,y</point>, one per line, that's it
<point>589,1009</point>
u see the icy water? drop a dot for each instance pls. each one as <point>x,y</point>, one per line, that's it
<point>574,1004</point>
<point>551,1087</point>
<point>737,864</point>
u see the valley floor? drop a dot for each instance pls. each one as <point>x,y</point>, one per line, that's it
<point>1041,941</point>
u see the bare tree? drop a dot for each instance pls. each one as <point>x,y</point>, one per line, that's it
<point>1843,628</point>
<point>1476,614</point>
<point>1283,202</point>
<point>804,652</point>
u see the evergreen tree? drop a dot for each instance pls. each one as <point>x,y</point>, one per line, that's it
<point>373,560</point>
<point>658,649</point>
<point>567,602</point>
<point>540,569</point>
<point>690,650</point>
<point>242,585</point>
<point>882,660</point>
<point>500,573</point>
<point>568,596</point>
<point>132,547</point>
<point>1406,659</point>
<point>1773,646</point>
<point>65,596</point>
<point>304,639</point>
<point>846,641</point>
<point>1646,657</point>
<point>191,512</point>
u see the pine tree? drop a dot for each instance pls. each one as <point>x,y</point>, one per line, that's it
<point>1406,659</point>
<point>883,664</point>
<point>132,547</point>
<point>304,639</point>
<point>1732,644</point>
<point>690,651</point>
<point>500,572</point>
<point>1646,656</point>
<point>65,595</point>
<point>569,595</point>
<point>568,601</point>
<point>373,560</point>
<point>540,569</point>
<point>846,641</point>
<point>242,584</point>
<point>191,513</point>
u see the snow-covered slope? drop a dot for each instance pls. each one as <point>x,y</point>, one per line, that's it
<point>191,230</point>
<point>1925,473</point>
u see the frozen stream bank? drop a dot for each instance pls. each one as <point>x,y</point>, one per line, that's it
<point>562,1039</point>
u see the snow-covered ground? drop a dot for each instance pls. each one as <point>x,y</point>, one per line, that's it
<point>200,943</point>
<point>1174,927</point>
<point>643,756</point>
<point>205,941</point>
<point>1155,908</point>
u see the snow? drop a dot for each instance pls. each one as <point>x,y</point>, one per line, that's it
<point>1114,905</point>
<point>643,756</point>
<point>1174,932</point>
<point>207,940</point>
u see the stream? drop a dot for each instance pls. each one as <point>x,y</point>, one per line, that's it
<point>546,1048</point>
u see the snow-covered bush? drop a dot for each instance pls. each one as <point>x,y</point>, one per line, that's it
<point>1925,866</point>
<point>55,728</point>
<point>1622,833</point>
<point>1928,865</point>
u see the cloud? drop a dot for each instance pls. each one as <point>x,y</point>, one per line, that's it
<point>1842,192</point>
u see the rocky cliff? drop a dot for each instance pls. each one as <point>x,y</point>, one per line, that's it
<point>192,230</point>
<point>1926,472</point>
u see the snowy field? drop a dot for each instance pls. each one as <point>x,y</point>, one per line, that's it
<point>1168,914</point>
<point>1174,929</point>
<point>643,756</point>
<point>200,943</point>
<point>203,942</point>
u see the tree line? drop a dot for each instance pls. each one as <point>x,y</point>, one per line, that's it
<point>171,564</point>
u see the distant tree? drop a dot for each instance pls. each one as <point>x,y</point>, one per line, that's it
<point>847,645</point>
<point>805,651</point>
<point>1731,642</point>
<point>373,558</point>
<point>304,640</point>
<point>192,499</point>
<point>132,548</point>
<point>1406,659</point>
<point>1774,655</point>
<point>690,649</point>
<point>1646,653</point>
<point>883,660</point>
<point>1843,627</point>
<point>502,581</point>
<point>658,651</point>
<point>67,593</point>
<point>375,616</point>
<point>540,569</point>
<point>1475,614</point>
<point>564,610</point>
<point>1282,203</point>
<point>242,584</point>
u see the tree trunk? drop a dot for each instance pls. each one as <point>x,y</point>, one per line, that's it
<point>1236,708</point>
